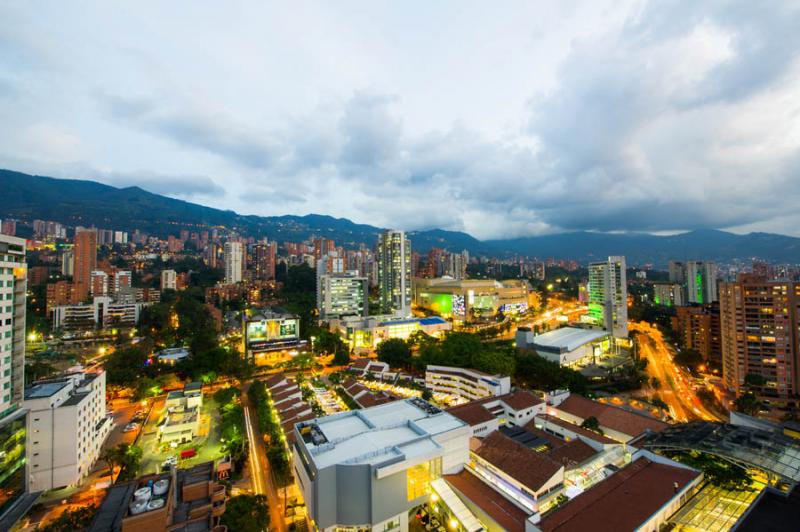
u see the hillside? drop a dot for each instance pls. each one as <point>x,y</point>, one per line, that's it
<point>76,202</point>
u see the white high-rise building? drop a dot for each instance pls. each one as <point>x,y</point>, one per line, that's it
<point>67,425</point>
<point>169,280</point>
<point>608,295</point>
<point>13,286</point>
<point>394,272</point>
<point>233,262</point>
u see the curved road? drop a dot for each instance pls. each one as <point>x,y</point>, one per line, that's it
<point>675,389</point>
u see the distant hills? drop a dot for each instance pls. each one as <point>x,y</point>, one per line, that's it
<point>78,202</point>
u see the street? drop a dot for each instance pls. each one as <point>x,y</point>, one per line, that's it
<point>675,390</point>
<point>259,467</point>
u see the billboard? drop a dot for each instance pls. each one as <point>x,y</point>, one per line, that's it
<point>263,332</point>
<point>440,303</point>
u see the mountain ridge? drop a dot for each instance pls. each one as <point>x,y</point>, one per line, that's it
<point>83,202</point>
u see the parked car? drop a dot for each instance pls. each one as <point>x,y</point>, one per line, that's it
<point>131,427</point>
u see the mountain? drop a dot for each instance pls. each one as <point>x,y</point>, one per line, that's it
<point>76,202</point>
<point>87,203</point>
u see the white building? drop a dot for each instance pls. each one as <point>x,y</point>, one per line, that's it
<point>98,283</point>
<point>169,280</point>
<point>102,312</point>
<point>367,468</point>
<point>344,294</point>
<point>467,384</point>
<point>394,272</point>
<point>122,279</point>
<point>13,295</point>
<point>233,262</point>
<point>67,425</point>
<point>568,346</point>
<point>608,295</point>
<point>668,294</point>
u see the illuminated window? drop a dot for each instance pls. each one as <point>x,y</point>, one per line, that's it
<point>419,477</point>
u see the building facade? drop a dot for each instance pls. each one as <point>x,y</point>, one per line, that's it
<point>760,323</point>
<point>68,425</point>
<point>233,262</point>
<point>467,384</point>
<point>394,272</point>
<point>698,280</point>
<point>668,294</point>
<point>169,280</point>
<point>608,296</point>
<point>699,328</point>
<point>344,294</point>
<point>13,419</point>
<point>85,262</point>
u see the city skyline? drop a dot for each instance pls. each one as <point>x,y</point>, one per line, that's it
<point>673,112</point>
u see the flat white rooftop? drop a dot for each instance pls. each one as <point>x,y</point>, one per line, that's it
<point>401,429</point>
<point>568,338</point>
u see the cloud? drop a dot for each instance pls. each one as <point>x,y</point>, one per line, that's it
<point>194,128</point>
<point>623,116</point>
<point>186,186</point>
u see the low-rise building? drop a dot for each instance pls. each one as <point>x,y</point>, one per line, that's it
<point>271,337</point>
<point>172,355</point>
<point>103,312</point>
<point>181,500</point>
<point>364,334</point>
<point>464,383</point>
<point>469,299</point>
<point>67,426</point>
<point>617,423</point>
<point>487,415</point>
<point>567,346</point>
<point>181,423</point>
<point>367,468</point>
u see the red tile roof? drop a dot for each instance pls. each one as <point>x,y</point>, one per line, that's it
<point>473,413</point>
<point>504,513</point>
<point>360,363</point>
<point>623,501</point>
<point>530,468</point>
<point>275,380</point>
<point>572,453</point>
<point>629,423</point>
<point>520,399</point>
<point>572,427</point>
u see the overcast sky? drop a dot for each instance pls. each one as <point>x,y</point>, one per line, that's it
<point>497,118</point>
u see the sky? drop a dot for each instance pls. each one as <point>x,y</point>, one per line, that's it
<point>500,119</point>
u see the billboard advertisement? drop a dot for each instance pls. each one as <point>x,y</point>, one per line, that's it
<point>440,303</point>
<point>262,332</point>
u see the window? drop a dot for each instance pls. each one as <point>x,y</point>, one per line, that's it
<point>419,477</point>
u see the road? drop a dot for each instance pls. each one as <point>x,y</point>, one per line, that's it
<point>675,390</point>
<point>261,478</point>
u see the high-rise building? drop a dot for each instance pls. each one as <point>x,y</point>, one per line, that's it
<point>342,294</point>
<point>13,419</point>
<point>8,227</point>
<point>608,295</point>
<point>394,272</point>
<point>169,280</point>
<point>68,263</point>
<point>668,294</point>
<point>98,285</point>
<point>85,262</point>
<point>698,280</point>
<point>233,262</point>
<point>265,253</point>
<point>120,280</point>
<point>698,327</point>
<point>760,321</point>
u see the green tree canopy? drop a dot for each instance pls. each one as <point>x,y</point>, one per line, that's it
<point>395,352</point>
<point>246,513</point>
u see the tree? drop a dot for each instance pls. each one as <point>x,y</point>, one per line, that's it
<point>591,423</point>
<point>71,520</point>
<point>660,404</point>
<point>246,513</point>
<point>427,394</point>
<point>748,403</point>
<point>755,380</point>
<point>127,457</point>
<point>655,383</point>
<point>395,352</point>
<point>688,357</point>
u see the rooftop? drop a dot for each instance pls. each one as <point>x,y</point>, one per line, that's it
<point>503,512</point>
<point>622,501</point>
<point>44,389</point>
<point>631,423</point>
<point>530,468</point>
<point>377,434</point>
<point>567,338</point>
